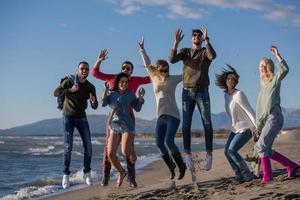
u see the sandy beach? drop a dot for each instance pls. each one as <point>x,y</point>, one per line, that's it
<point>218,183</point>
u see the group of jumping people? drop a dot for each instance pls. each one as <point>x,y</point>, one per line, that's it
<point>120,95</point>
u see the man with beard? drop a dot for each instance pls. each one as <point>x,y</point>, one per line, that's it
<point>196,62</point>
<point>74,116</point>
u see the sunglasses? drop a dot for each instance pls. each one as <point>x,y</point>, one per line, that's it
<point>197,35</point>
<point>84,68</point>
<point>126,68</point>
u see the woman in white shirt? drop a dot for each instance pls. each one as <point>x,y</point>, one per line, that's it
<point>242,122</point>
<point>167,113</point>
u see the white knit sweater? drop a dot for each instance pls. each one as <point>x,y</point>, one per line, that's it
<point>164,91</point>
<point>239,111</point>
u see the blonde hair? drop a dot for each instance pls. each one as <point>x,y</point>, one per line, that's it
<point>160,70</point>
<point>268,75</point>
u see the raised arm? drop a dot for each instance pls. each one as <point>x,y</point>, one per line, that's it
<point>283,67</point>
<point>209,51</point>
<point>174,56</point>
<point>96,69</point>
<point>145,57</point>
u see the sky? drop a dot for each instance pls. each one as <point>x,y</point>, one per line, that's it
<point>41,41</point>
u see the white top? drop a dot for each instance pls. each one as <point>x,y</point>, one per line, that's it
<point>240,112</point>
<point>164,91</point>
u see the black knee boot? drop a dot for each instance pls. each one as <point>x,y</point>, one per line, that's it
<point>181,165</point>
<point>171,165</point>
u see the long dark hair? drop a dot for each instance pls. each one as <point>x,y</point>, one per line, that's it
<point>117,80</point>
<point>221,78</point>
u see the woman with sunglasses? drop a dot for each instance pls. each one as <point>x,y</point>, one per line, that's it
<point>168,119</point>
<point>121,124</point>
<point>242,122</point>
<point>269,118</point>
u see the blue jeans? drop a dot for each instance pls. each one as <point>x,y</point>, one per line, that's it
<point>268,134</point>
<point>166,127</point>
<point>190,98</point>
<point>234,143</point>
<point>82,126</point>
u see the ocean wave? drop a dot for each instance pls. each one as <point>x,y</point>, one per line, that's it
<point>77,153</point>
<point>49,185</point>
<point>44,182</point>
<point>97,142</point>
<point>77,177</point>
<point>145,160</point>
<point>31,192</point>
<point>46,186</point>
<point>2,142</point>
<point>47,151</point>
<point>40,150</point>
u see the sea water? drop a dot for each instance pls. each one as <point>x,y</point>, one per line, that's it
<point>31,166</point>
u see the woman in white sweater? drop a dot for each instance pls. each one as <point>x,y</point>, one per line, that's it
<point>167,113</point>
<point>242,122</point>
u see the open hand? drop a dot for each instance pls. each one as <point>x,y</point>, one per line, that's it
<point>102,55</point>
<point>274,50</point>
<point>92,98</point>
<point>178,36</point>
<point>141,92</point>
<point>204,33</point>
<point>106,85</point>
<point>141,43</point>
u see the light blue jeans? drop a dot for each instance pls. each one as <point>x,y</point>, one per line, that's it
<point>234,143</point>
<point>268,134</point>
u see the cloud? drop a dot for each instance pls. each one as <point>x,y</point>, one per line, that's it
<point>190,9</point>
<point>287,15</point>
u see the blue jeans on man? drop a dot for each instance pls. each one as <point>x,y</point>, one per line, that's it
<point>81,123</point>
<point>191,97</point>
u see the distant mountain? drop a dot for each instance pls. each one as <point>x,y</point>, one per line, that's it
<point>291,117</point>
<point>55,126</point>
<point>97,124</point>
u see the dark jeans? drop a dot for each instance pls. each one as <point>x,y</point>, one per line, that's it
<point>234,143</point>
<point>82,126</point>
<point>190,98</point>
<point>166,127</point>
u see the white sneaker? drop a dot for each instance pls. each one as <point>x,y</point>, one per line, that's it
<point>66,181</point>
<point>88,178</point>
<point>189,161</point>
<point>208,162</point>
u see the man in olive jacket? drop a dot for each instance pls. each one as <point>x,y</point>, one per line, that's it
<point>196,62</point>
